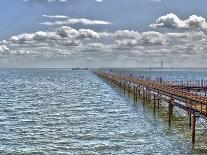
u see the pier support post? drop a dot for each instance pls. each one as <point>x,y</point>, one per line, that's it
<point>146,98</point>
<point>154,101</point>
<point>129,87</point>
<point>158,103</point>
<point>134,93</point>
<point>190,113</point>
<point>193,127</point>
<point>150,96</point>
<point>170,110</point>
<point>206,108</point>
<point>143,95</point>
<point>139,93</point>
<point>124,87</point>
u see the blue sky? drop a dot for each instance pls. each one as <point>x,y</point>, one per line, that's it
<point>171,39</point>
<point>20,16</point>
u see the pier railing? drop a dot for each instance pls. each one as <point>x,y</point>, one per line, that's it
<point>156,91</point>
<point>187,83</point>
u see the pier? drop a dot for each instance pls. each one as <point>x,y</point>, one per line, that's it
<point>197,87</point>
<point>180,95</point>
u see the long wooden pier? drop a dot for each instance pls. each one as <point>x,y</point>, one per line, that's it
<point>156,92</point>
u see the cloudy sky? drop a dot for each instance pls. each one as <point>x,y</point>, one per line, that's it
<point>103,33</point>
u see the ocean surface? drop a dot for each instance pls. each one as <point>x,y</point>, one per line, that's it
<point>59,111</point>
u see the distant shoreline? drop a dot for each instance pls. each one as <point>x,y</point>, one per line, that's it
<point>84,68</point>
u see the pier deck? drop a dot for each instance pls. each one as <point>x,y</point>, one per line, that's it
<point>152,90</point>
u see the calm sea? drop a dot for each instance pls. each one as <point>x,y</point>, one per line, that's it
<point>59,111</point>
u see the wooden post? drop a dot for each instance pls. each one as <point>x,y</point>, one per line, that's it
<point>146,98</point>
<point>149,96</point>
<point>158,100</point>
<point>206,107</point>
<point>134,92</point>
<point>190,113</point>
<point>154,99</point>
<point>124,88</point>
<point>140,95</point>
<point>143,95</point>
<point>193,127</point>
<point>158,103</point>
<point>170,110</point>
<point>129,89</point>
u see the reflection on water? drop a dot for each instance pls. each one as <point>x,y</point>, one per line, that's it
<point>74,112</point>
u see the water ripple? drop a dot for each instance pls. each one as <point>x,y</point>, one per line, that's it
<point>74,112</point>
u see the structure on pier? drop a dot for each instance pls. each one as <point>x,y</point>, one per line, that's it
<point>161,65</point>
<point>157,92</point>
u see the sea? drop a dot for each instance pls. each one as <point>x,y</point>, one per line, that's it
<point>64,111</point>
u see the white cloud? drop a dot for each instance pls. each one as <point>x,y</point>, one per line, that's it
<point>3,49</point>
<point>127,43</point>
<point>172,21</point>
<point>156,0</point>
<point>64,35</point>
<point>96,45</point>
<point>99,1</point>
<point>68,32</point>
<point>55,16</point>
<point>153,38</point>
<point>31,37</point>
<point>48,0</point>
<point>76,21</point>
<point>86,45</point>
<point>3,42</point>
<point>131,39</point>
<point>196,22</point>
<point>126,34</point>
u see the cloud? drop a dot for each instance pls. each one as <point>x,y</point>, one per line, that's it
<point>47,0</point>
<point>153,38</point>
<point>99,1</point>
<point>130,39</point>
<point>76,21</point>
<point>68,36</point>
<point>172,21</point>
<point>126,43</point>
<point>156,0</point>
<point>91,47</point>
<point>68,32</point>
<point>31,37</point>
<point>64,35</point>
<point>126,34</point>
<point>55,16</point>
<point>96,45</point>
<point>3,42</point>
<point>3,49</point>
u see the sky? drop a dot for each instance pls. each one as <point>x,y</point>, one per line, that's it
<point>103,33</point>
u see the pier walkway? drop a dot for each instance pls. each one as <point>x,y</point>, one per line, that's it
<point>156,92</point>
